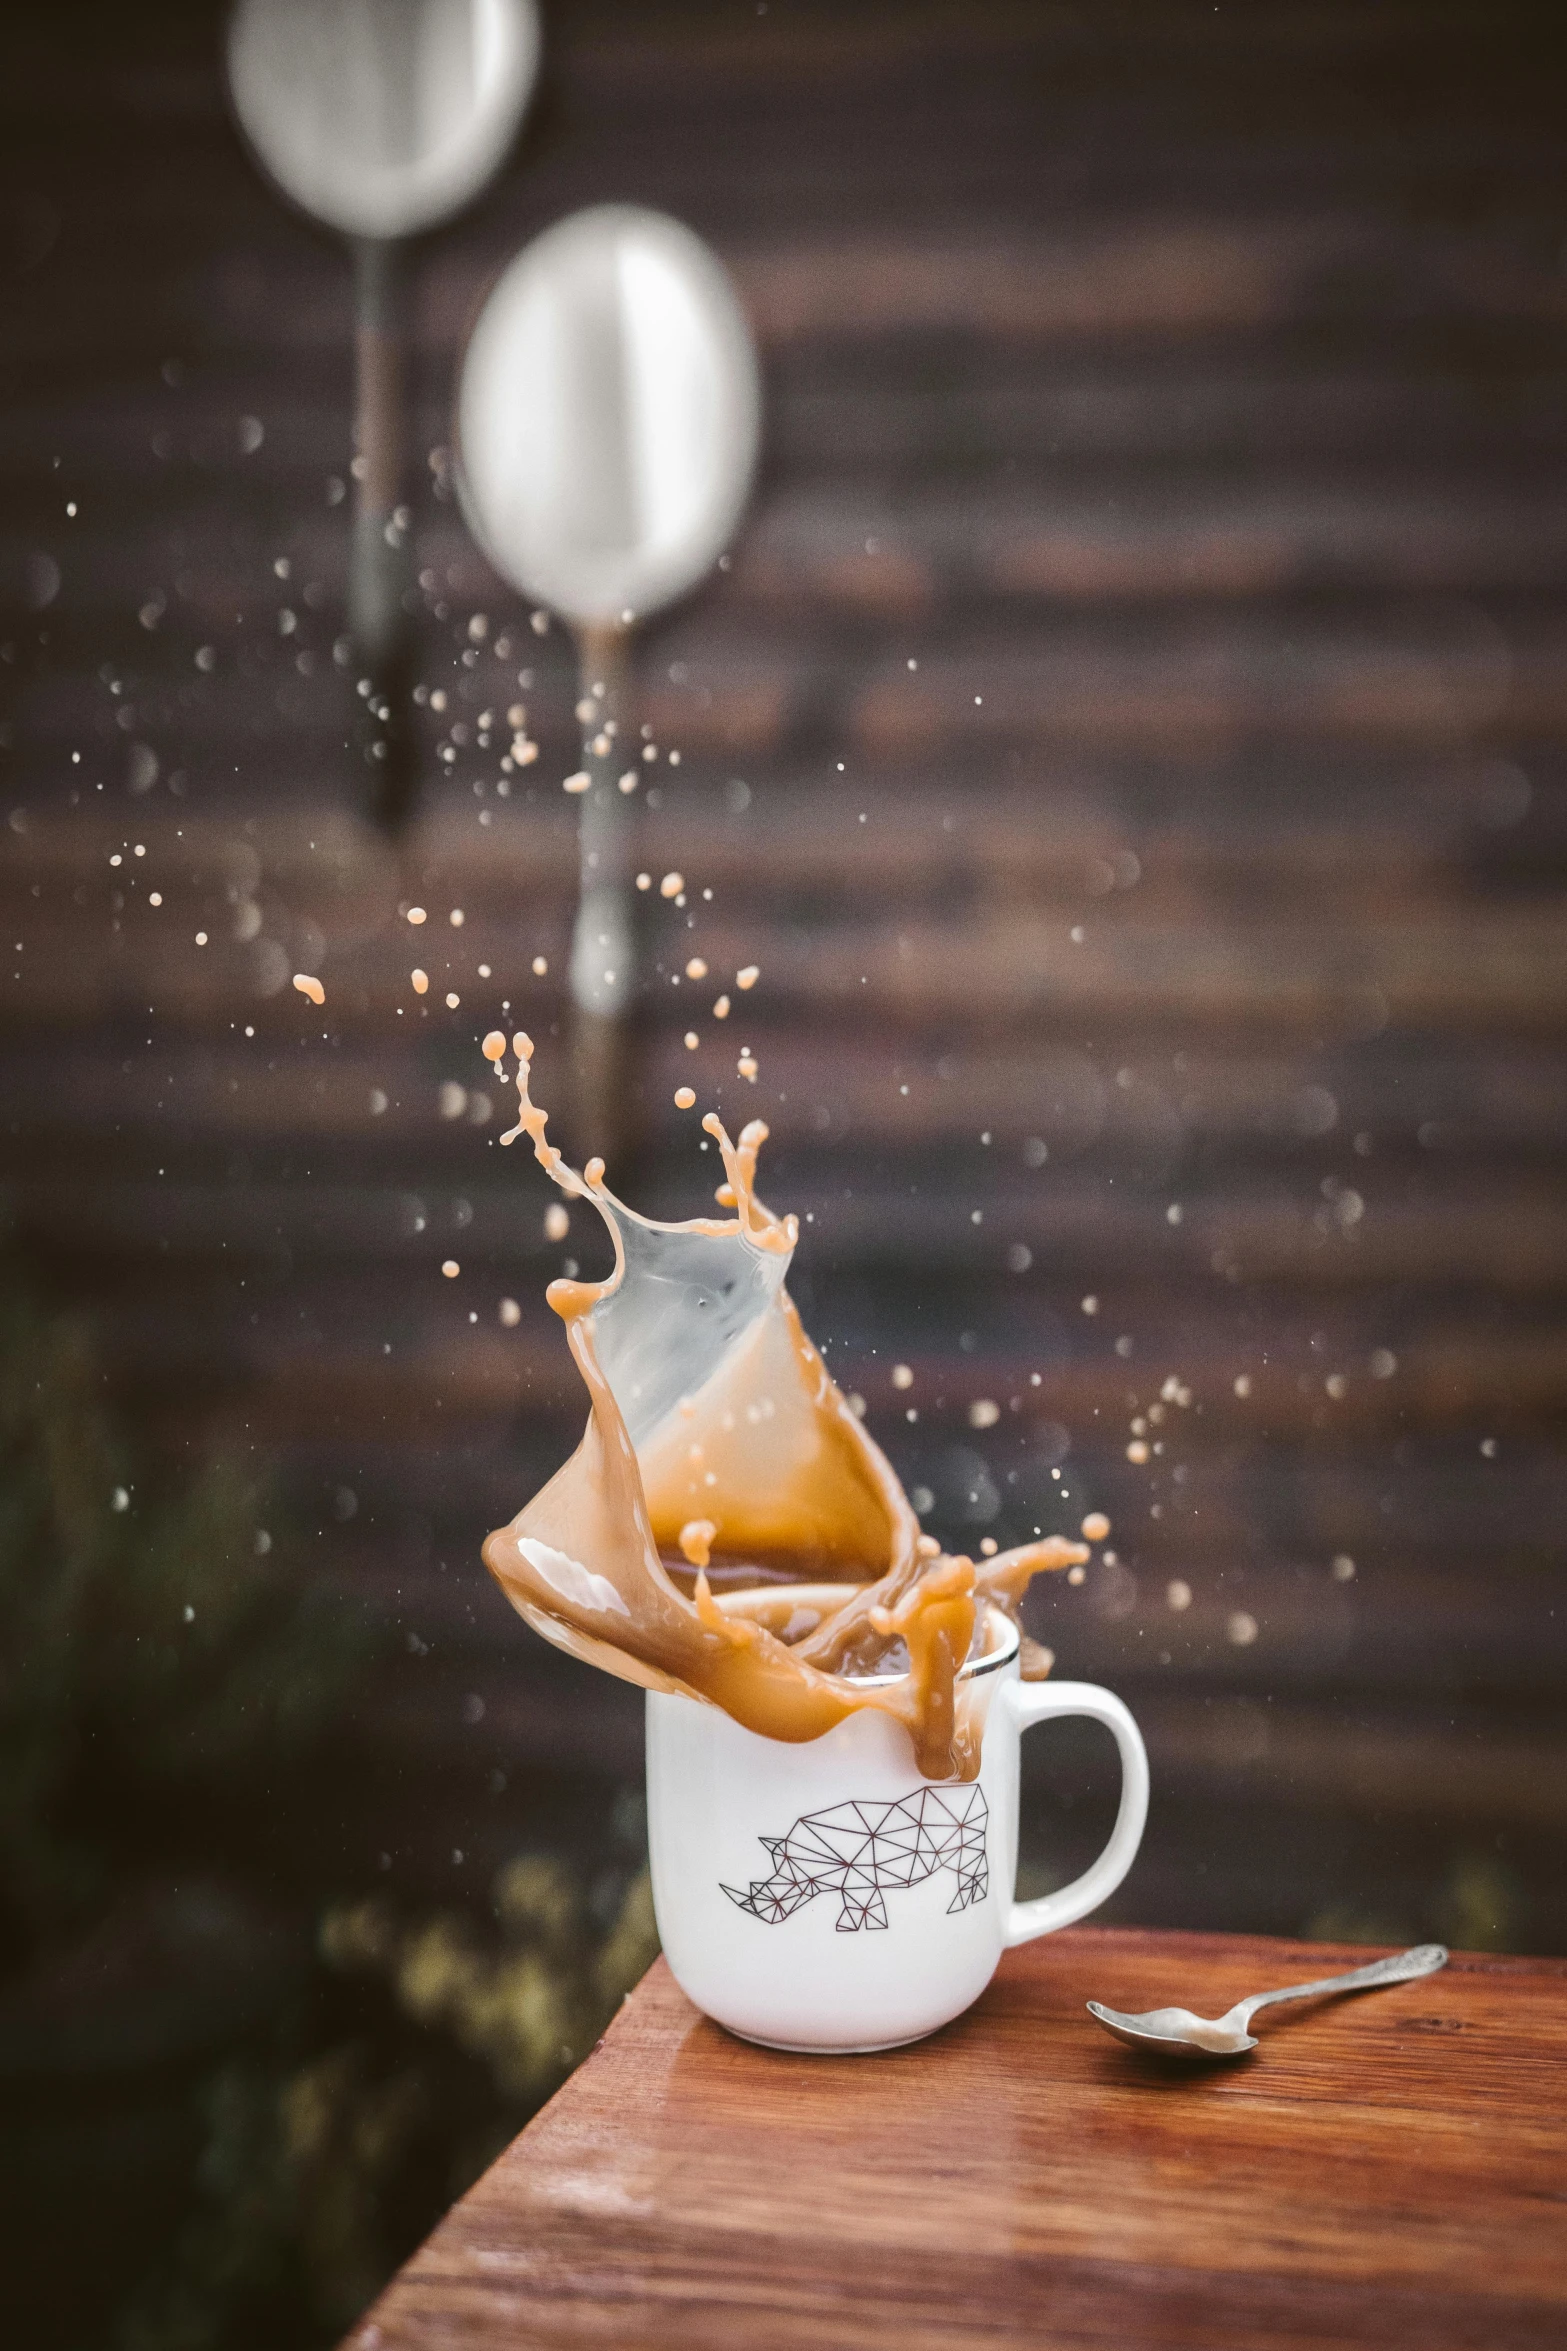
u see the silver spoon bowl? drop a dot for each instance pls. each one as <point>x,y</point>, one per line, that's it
<point>1176,2032</point>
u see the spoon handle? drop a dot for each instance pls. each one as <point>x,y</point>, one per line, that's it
<point>1402,1968</point>
<point>603,945</point>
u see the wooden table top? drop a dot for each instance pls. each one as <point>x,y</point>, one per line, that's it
<point>1386,2171</point>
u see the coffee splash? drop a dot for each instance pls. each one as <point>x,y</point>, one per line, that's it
<point>719,1451</point>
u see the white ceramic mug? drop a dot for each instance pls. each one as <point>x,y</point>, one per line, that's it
<point>825,1896</point>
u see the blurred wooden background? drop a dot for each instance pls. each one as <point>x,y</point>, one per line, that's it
<point>1130,739</point>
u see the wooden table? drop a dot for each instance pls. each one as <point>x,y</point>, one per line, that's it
<point>1388,2172</point>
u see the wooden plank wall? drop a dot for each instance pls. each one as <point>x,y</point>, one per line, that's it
<point>1130,741</point>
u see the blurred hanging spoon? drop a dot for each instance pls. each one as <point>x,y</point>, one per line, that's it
<point>607,425</point>
<point>380,119</point>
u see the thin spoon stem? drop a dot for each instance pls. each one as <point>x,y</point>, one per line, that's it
<point>380,565</point>
<point>603,946</point>
<point>1403,1968</point>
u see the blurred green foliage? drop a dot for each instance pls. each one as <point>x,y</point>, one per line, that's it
<point>323,2168</point>
<point>161,1672</point>
<point>529,2003</point>
<point>149,1644</point>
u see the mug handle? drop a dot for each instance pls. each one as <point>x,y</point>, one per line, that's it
<point>1033,1702</point>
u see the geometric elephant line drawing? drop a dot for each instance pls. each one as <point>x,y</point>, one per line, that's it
<point>861,1852</point>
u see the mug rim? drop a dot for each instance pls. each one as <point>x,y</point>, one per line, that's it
<point>993,1660</point>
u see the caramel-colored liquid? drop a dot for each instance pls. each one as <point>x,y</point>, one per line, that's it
<point>719,1451</point>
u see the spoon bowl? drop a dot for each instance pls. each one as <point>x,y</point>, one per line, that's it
<point>1175,2032</point>
<point>607,416</point>
<point>1178,2033</point>
<point>381,118</point>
